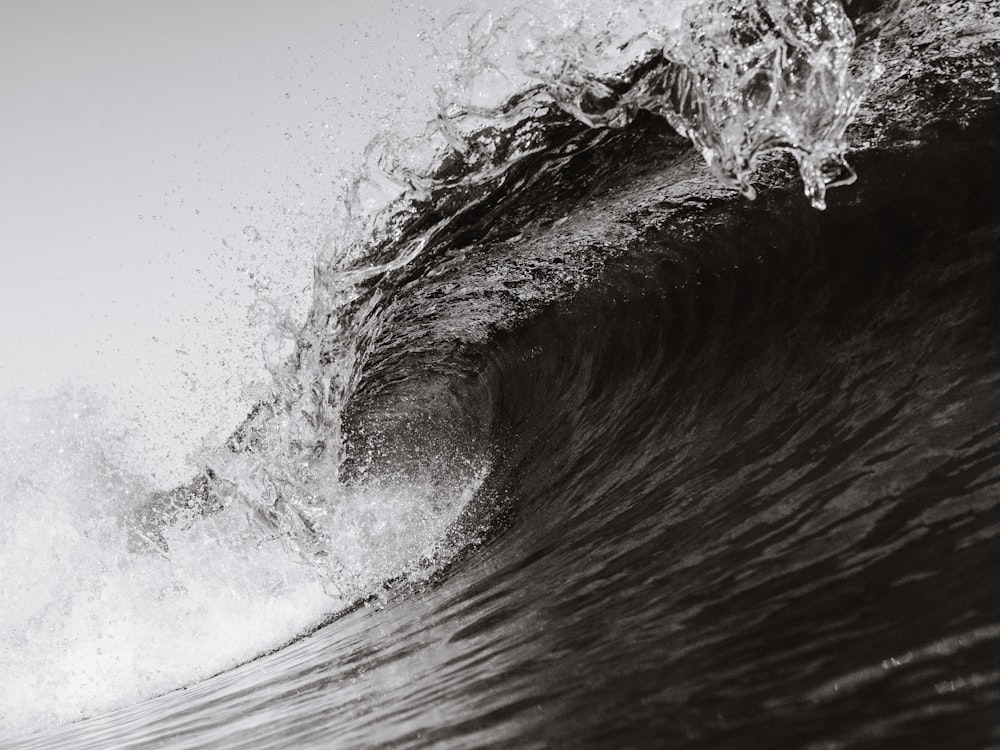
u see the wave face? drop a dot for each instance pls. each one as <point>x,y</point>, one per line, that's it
<point>574,449</point>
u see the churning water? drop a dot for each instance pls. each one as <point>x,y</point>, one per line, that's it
<point>573,448</point>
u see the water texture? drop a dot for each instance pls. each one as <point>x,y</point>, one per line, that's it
<point>576,447</point>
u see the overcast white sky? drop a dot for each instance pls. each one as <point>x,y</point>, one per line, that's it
<point>138,140</point>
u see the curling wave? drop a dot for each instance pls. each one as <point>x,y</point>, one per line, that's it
<point>735,462</point>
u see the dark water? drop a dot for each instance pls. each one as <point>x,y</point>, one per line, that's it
<point>745,491</point>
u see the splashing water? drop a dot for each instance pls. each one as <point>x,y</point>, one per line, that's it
<point>74,584</point>
<point>739,79</point>
<point>85,580</point>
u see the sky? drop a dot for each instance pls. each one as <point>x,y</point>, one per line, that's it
<point>162,159</point>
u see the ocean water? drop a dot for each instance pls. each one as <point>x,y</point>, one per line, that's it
<point>630,410</point>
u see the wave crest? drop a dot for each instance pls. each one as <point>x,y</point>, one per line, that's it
<point>740,80</point>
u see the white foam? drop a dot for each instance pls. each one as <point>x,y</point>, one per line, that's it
<point>91,621</point>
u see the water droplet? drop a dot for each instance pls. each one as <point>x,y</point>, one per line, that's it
<point>251,233</point>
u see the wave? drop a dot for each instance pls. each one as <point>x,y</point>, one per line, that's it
<point>738,81</point>
<point>545,325</point>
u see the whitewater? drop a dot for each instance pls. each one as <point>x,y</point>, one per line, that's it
<point>642,394</point>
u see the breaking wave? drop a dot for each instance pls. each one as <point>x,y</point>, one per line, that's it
<point>614,459</point>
